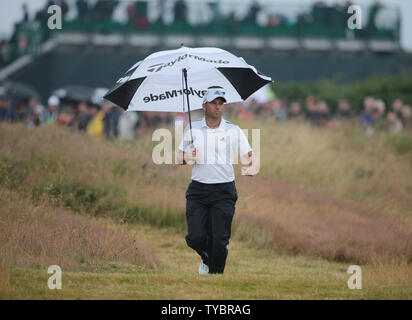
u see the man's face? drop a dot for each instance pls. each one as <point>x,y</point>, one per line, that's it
<point>214,109</point>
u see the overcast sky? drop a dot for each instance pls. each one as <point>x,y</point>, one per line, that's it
<point>10,12</point>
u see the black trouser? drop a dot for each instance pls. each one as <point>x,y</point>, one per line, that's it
<point>209,213</point>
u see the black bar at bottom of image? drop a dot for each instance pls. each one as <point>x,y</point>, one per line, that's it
<point>206,309</point>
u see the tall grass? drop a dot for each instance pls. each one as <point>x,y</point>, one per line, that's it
<point>343,163</point>
<point>40,236</point>
<point>337,195</point>
<point>68,170</point>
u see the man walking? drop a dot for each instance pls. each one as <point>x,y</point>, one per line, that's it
<point>211,195</point>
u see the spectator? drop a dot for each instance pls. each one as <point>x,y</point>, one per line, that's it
<point>311,111</point>
<point>278,109</point>
<point>66,117</point>
<point>137,14</point>
<point>393,122</point>
<point>49,116</point>
<point>34,113</point>
<point>20,112</point>
<point>343,115</point>
<point>98,10</point>
<point>180,11</point>
<point>243,113</point>
<point>365,118</point>
<point>322,110</point>
<point>151,119</point>
<point>131,12</point>
<point>397,106</point>
<point>6,52</point>
<point>373,12</point>
<point>377,114</point>
<point>4,107</point>
<point>128,122</point>
<point>251,16</point>
<point>407,117</point>
<point>214,9</point>
<point>344,111</point>
<point>295,111</point>
<point>110,120</point>
<point>83,10</point>
<point>320,13</point>
<point>161,7</point>
<point>95,126</point>
<point>103,9</point>
<point>83,117</point>
<point>107,121</point>
<point>230,109</point>
<point>42,16</point>
<point>255,107</point>
<point>25,13</point>
<point>74,116</point>
<point>64,6</point>
<point>275,20</point>
<point>343,13</point>
<point>267,109</point>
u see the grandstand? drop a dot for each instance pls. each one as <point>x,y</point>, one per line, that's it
<point>288,42</point>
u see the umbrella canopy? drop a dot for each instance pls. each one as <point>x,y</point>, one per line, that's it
<point>157,83</point>
<point>98,95</point>
<point>75,94</point>
<point>19,91</point>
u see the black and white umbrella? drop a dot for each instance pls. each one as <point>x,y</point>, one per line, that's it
<point>169,80</point>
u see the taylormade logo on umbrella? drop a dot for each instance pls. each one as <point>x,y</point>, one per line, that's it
<point>160,66</point>
<point>173,94</point>
<point>157,82</point>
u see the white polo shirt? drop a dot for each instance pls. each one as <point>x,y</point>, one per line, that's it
<point>217,150</point>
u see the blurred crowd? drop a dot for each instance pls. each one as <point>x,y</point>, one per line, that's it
<point>320,13</point>
<point>99,120</point>
<point>374,115</point>
<point>104,120</point>
<point>32,30</point>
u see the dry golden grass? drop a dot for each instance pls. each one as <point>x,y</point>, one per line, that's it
<point>302,200</point>
<point>342,163</point>
<point>309,200</point>
<point>314,223</point>
<point>40,236</point>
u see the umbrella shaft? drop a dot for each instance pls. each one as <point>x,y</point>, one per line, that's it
<point>188,103</point>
